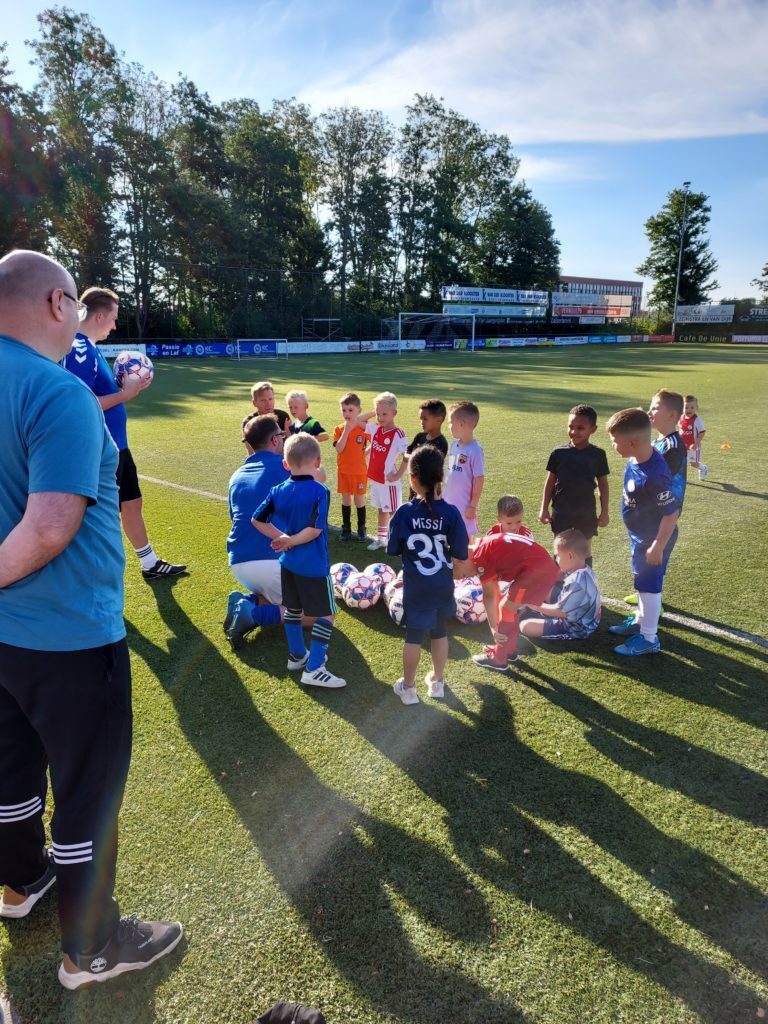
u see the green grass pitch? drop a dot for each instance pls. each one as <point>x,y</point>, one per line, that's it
<point>581,841</point>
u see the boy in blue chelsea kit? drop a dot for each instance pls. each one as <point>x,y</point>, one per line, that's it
<point>294,515</point>
<point>650,510</point>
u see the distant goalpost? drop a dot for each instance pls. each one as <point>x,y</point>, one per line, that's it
<point>431,327</point>
<point>260,348</point>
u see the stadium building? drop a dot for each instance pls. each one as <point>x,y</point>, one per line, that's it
<point>605,286</point>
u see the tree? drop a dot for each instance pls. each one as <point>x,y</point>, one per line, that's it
<point>28,175</point>
<point>355,145</point>
<point>143,177</point>
<point>762,282</point>
<point>664,231</point>
<point>80,87</point>
<point>516,244</point>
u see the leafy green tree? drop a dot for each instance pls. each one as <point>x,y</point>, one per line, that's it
<point>762,282</point>
<point>29,181</point>
<point>80,87</point>
<point>354,147</point>
<point>516,245</point>
<point>687,217</point>
<point>451,175</point>
<point>143,178</point>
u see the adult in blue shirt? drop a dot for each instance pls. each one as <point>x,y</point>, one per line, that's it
<point>87,363</point>
<point>252,560</point>
<point>65,678</point>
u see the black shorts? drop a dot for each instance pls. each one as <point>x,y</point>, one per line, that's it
<point>127,477</point>
<point>313,594</point>
<point>586,523</point>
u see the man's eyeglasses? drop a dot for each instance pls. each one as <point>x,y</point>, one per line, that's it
<point>82,309</point>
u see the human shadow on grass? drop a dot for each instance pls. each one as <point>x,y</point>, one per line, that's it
<point>343,869</point>
<point>492,786</point>
<point>677,764</point>
<point>691,671</point>
<point>728,489</point>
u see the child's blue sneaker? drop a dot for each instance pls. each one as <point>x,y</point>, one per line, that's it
<point>232,600</point>
<point>242,623</point>
<point>637,644</point>
<point>629,627</point>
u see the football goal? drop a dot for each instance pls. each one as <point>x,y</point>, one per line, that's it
<point>437,330</point>
<point>260,348</point>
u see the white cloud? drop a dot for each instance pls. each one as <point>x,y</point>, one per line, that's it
<point>535,169</point>
<point>578,70</point>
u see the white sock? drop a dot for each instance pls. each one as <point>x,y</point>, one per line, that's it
<point>146,556</point>
<point>648,613</point>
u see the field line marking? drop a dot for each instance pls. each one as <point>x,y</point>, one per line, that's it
<point>182,487</point>
<point>728,632</point>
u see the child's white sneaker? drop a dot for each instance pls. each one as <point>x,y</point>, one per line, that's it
<point>435,687</point>
<point>703,471</point>
<point>322,677</point>
<point>407,694</point>
<point>376,544</point>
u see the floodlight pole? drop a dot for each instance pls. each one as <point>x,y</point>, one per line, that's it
<point>686,187</point>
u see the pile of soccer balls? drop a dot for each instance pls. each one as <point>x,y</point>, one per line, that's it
<point>362,590</point>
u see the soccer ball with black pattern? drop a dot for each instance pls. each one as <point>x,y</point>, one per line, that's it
<point>470,607</point>
<point>131,363</point>
<point>340,571</point>
<point>361,591</point>
<point>381,569</point>
<point>396,609</point>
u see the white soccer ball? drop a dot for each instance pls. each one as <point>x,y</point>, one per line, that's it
<point>467,581</point>
<point>470,607</point>
<point>396,610</point>
<point>392,588</point>
<point>381,569</point>
<point>339,574</point>
<point>361,591</point>
<point>131,363</point>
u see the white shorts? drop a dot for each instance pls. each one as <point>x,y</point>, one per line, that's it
<point>387,497</point>
<point>260,577</point>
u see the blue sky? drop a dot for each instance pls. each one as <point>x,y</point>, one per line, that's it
<point>609,104</point>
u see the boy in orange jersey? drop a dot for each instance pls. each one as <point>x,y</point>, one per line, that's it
<point>351,443</point>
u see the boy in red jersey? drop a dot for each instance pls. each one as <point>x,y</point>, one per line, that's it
<point>509,517</point>
<point>388,443</point>
<point>692,431</point>
<point>532,574</point>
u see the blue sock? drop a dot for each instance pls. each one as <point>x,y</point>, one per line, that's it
<point>293,632</point>
<point>321,635</point>
<point>266,614</point>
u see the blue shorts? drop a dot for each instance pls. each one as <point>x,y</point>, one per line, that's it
<point>562,629</point>
<point>419,618</point>
<point>649,579</point>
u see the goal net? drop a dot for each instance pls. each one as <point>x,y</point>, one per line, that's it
<point>436,330</point>
<point>260,348</point>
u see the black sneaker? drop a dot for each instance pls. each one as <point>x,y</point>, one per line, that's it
<point>362,535</point>
<point>484,661</point>
<point>134,945</point>
<point>12,906</point>
<point>512,659</point>
<point>162,568</point>
<point>346,534</point>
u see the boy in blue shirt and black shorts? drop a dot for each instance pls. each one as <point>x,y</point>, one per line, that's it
<point>294,515</point>
<point>650,510</point>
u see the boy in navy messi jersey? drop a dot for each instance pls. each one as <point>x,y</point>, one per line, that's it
<point>650,511</point>
<point>426,532</point>
<point>295,516</point>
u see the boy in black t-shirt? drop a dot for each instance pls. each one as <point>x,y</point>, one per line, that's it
<point>573,472</point>
<point>432,415</point>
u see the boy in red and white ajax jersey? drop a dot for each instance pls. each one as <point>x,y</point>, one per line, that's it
<point>388,443</point>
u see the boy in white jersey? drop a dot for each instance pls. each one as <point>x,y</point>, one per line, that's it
<point>465,472</point>
<point>388,444</point>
